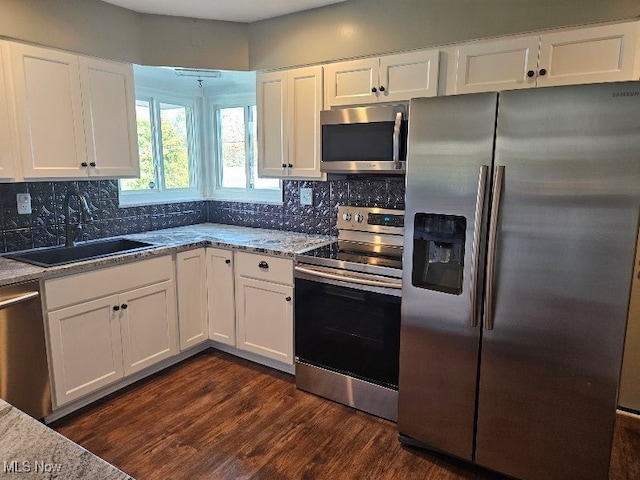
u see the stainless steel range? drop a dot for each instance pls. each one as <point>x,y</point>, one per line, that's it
<point>347,312</point>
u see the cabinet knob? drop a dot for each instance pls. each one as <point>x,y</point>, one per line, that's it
<point>263,265</point>
<point>227,261</point>
<point>284,165</point>
<point>116,308</point>
<point>92,164</point>
<point>290,165</point>
<point>542,72</point>
<point>374,90</point>
<point>84,164</point>
<point>288,299</point>
<point>382,88</point>
<point>124,306</point>
<point>530,73</point>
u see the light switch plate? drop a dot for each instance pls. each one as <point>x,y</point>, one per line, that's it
<point>24,203</point>
<point>306,196</point>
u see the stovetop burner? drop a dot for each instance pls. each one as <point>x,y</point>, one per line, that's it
<point>369,240</point>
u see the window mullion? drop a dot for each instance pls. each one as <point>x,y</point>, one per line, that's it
<point>248,144</point>
<point>158,154</point>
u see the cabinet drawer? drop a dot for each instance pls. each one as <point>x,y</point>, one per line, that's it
<point>264,267</point>
<point>82,287</point>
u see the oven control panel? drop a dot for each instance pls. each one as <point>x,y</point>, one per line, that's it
<point>371,219</point>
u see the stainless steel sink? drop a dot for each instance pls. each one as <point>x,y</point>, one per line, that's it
<point>52,256</point>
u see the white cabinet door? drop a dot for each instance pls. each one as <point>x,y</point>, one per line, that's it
<point>408,75</point>
<point>304,90</point>
<point>148,324</point>
<point>220,296</point>
<point>265,318</point>
<point>588,55</point>
<point>8,133</point>
<point>497,65</point>
<point>108,97</point>
<point>86,348</point>
<point>273,154</point>
<point>352,83</point>
<point>191,269</point>
<point>49,109</point>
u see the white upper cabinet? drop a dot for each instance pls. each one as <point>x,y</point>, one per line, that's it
<point>289,105</point>
<point>8,132</point>
<point>76,115</point>
<point>588,55</point>
<point>391,78</point>
<point>108,95</point>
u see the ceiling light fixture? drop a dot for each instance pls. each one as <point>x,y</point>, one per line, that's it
<point>193,72</point>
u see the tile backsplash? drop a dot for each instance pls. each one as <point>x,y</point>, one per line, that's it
<point>319,218</point>
<point>45,225</point>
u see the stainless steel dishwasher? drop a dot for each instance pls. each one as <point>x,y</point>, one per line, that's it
<point>24,374</point>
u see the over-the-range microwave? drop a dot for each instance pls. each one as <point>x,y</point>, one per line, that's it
<point>364,139</point>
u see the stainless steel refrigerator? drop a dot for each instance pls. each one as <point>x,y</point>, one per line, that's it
<point>521,222</point>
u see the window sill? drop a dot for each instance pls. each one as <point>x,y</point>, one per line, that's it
<point>248,196</point>
<point>136,199</point>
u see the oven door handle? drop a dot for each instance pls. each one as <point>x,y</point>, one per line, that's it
<point>348,279</point>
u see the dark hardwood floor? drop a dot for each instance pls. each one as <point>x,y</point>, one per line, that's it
<point>219,417</point>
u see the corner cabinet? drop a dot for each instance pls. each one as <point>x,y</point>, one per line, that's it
<point>220,296</point>
<point>191,276</point>
<point>587,55</point>
<point>8,126</point>
<point>264,306</point>
<point>76,115</point>
<point>109,323</point>
<point>289,105</point>
<point>392,78</point>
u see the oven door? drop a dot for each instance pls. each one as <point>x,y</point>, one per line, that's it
<point>348,323</point>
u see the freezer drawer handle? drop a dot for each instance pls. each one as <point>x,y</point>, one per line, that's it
<point>19,299</point>
<point>498,180</point>
<point>475,259</point>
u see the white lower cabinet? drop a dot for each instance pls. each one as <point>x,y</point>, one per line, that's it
<point>264,306</point>
<point>220,296</point>
<point>109,323</point>
<point>191,275</point>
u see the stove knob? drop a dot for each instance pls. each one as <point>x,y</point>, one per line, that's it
<point>359,218</point>
<point>346,217</point>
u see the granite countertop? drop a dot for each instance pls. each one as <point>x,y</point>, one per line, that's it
<point>31,450</point>
<point>171,240</point>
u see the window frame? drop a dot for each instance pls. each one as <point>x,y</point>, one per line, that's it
<point>218,192</point>
<point>160,194</point>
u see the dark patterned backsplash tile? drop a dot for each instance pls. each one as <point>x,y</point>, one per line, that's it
<point>45,225</point>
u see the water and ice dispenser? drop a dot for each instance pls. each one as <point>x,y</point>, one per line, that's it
<point>438,252</point>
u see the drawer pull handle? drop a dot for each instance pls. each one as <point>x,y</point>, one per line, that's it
<point>116,308</point>
<point>264,265</point>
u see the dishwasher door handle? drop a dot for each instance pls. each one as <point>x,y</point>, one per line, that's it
<point>18,299</point>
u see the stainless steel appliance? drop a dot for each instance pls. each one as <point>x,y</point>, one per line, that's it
<point>347,312</point>
<point>519,249</point>
<point>365,139</point>
<point>24,374</point>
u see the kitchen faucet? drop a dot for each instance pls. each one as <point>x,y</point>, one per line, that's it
<point>72,232</point>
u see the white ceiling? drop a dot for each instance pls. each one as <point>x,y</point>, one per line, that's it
<point>245,11</point>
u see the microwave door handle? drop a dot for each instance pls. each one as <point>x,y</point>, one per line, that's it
<point>396,140</point>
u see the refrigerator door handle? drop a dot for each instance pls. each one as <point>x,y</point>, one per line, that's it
<point>498,180</point>
<point>475,259</point>
<point>396,140</point>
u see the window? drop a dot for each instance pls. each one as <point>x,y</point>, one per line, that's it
<point>168,150</point>
<point>237,154</point>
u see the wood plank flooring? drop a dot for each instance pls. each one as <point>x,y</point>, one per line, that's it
<point>219,417</point>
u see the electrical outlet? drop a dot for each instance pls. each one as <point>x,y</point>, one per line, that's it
<point>306,196</point>
<point>24,203</point>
